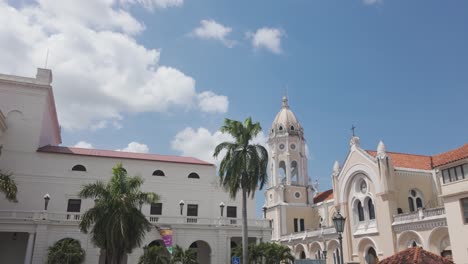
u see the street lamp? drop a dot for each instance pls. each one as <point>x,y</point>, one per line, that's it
<point>221,206</point>
<point>264,208</point>
<point>339,222</point>
<point>181,204</point>
<point>46,201</point>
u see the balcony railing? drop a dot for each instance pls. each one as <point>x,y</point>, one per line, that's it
<point>309,234</point>
<point>155,219</point>
<point>419,215</point>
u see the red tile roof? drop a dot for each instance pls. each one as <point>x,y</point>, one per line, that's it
<point>121,155</point>
<point>404,160</point>
<point>415,255</point>
<point>324,196</point>
<point>450,156</point>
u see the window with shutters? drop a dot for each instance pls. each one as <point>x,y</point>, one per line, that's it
<point>156,209</point>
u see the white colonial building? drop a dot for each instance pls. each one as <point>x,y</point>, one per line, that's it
<point>391,200</point>
<point>31,151</point>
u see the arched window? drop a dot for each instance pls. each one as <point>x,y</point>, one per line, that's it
<point>411,204</point>
<point>280,127</point>
<point>371,256</point>
<point>419,203</point>
<point>303,256</point>
<point>414,244</point>
<point>193,175</point>
<point>292,127</point>
<point>415,200</point>
<point>399,211</point>
<point>158,173</point>
<point>360,211</point>
<point>370,207</point>
<point>79,167</point>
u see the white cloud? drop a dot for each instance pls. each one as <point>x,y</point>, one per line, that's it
<point>372,2</point>
<point>100,71</point>
<point>210,29</point>
<point>267,38</point>
<point>151,4</point>
<point>212,103</point>
<point>201,143</point>
<point>83,144</point>
<point>135,147</point>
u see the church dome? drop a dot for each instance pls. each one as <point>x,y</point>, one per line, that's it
<point>286,121</point>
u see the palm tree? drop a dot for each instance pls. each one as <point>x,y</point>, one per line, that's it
<point>244,166</point>
<point>66,251</point>
<point>154,255</point>
<point>182,256</point>
<point>276,253</point>
<point>116,224</point>
<point>8,186</point>
<point>256,252</point>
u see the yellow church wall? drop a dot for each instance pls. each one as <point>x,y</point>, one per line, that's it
<point>406,182</point>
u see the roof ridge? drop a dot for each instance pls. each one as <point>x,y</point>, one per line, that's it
<point>441,153</point>
<point>129,152</point>
<point>394,152</point>
<point>121,154</point>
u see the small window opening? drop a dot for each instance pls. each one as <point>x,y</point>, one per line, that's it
<point>158,173</point>
<point>194,175</point>
<point>79,167</point>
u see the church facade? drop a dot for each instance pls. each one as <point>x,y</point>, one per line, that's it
<point>199,212</point>
<point>391,201</point>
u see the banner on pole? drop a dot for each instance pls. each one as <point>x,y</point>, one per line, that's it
<point>166,234</point>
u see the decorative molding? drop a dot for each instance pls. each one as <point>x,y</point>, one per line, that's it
<point>421,225</point>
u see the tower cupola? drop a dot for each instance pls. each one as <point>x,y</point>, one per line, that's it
<point>286,122</point>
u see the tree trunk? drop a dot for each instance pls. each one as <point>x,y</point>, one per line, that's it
<point>245,235</point>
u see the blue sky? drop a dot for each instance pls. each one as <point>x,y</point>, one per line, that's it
<point>395,69</point>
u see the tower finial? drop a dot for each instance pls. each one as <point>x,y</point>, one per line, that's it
<point>285,102</point>
<point>352,129</point>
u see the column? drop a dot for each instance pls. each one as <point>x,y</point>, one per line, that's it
<point>228,250</point>
<point>29,249</point>
<point>288,169</point>
<point>40,245</point>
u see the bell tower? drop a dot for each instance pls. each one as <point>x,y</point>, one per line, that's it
<point>289,184</point>
<point>287,150</point>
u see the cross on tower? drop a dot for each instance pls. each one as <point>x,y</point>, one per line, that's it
<point>352,129</point>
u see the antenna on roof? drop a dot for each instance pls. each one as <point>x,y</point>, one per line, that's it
<point>46,59</point>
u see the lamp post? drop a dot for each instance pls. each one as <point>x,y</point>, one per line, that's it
<point>46,201</point>
<point>339,222</point>
<point>181,204</point>
<point>221,206</point>
<point>264,208</point>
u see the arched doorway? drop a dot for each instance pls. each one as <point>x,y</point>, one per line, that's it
<point>203,251</point>
<point>300,252</point>
<point>371,256</point>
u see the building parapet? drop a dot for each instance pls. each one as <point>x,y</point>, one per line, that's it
<point>74,218</point>
<point>309,234</point>
<point>423,219</point>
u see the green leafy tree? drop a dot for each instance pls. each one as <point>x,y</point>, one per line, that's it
<point>8,186</point>
<point>276,253</point>
<point>155,255</point>
<point>116,224</point>
<point>256,252</point>
<point>66,251</point>
<point>181,256</point>
<point>244,166</point>
<point>270,253</point>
